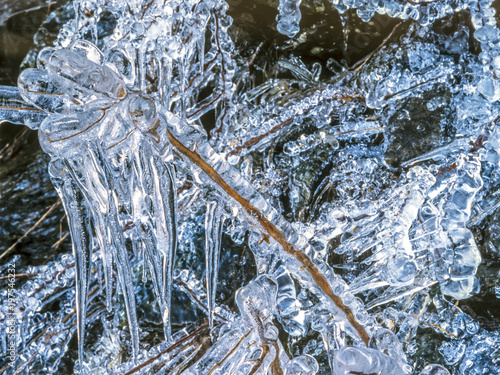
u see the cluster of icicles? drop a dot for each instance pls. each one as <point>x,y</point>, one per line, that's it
<point>121,123</point>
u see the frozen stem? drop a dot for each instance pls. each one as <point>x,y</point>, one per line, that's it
<point>274,232</point>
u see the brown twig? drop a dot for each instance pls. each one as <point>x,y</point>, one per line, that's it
<point>179,369</point>
<point>230,352</point>
<point>256,367</point>
<point>25,363</point>
<point>275,364</point>
<point>389,96</point>
<point>18,275</point>
<point>52,208</point>
<point>273,231</point>
<point>60,240</point>
<point>9,149</point>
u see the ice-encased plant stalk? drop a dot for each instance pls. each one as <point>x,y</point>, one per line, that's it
<point>111,165</point>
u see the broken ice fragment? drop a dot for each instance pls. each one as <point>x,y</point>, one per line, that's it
<point>488,87</point>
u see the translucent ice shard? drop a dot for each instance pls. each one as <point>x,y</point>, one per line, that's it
<point>77,76</point>
<point>214,221</point>
<point>289,307</point>
<point>36,87</point>
<point>393,257</point>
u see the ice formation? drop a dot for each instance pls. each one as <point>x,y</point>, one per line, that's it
<point>357,195</point>
<point>289,17</point>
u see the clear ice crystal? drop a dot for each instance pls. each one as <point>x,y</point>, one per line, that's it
<point>289,17</point>
<point>214,221</point>
<point>360,197</point>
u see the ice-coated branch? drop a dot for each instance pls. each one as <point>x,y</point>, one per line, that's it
<point>270,229</point>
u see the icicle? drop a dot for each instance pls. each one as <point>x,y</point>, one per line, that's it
<point>154,200</point>
<point>344,18</point>
<point>155,264</point>
<point>79,225</point>
<point>141,67</point>
<point>117,243</point>
<point>98,199</point>
<point>165,84</point>
<point>168,267</point>
<point>214,220</point>
<point>166,194</point>
<point>108,279</point>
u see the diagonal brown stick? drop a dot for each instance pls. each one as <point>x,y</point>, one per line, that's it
<point>52,208</point>
<point>274,232</point>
